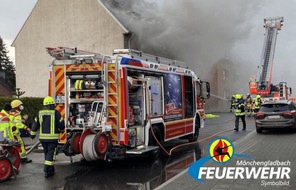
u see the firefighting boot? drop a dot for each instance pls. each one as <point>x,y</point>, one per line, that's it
<point>26,160</point>
<point>49,171</point>
<point>48,174</point>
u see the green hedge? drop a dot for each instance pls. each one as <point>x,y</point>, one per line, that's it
<point>31,104</point>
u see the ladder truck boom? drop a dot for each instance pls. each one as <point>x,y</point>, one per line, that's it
<point>272,26</point>
<point>262,84</point>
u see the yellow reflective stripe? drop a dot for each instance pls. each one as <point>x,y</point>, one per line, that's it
<point>49,163</point>
<point>33,133</point>
<point>51,125</point>
<point>52,134</point>
<point>40,120</point>
<point>46,112</point>
<point>49,136</point>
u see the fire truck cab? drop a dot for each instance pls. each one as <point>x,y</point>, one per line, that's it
<point>126,103</point>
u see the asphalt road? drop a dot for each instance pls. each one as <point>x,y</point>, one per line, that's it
<point>133,173</point>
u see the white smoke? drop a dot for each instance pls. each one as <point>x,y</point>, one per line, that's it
<point>201,32</point>
<point>195,31</point>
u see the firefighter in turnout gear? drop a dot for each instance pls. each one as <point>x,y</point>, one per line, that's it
<point>51,124</point>
<point>249,105</point>
<point>5,125</point>
<point>17,124</point>
<point>257,103</point>
<point>232,102</point>
<point>239,111</point>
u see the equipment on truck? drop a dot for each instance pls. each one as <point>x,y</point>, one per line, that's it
<point>115,105</point>
<point>262,83</point>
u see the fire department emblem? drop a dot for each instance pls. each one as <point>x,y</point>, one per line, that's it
<point>221,150</point>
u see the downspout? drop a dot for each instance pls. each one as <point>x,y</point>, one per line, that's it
<point>129,37</point>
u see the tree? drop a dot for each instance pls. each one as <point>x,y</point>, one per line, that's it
<point>6,65</point>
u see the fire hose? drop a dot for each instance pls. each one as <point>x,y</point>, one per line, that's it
<point>33,147</point>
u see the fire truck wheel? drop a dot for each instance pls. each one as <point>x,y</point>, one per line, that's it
<point>5,169</point>
<point>75,143</point>
<point>196,133</point>
<point>157,133</point>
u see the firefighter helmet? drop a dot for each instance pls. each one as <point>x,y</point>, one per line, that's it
<point>48,101</point>
<point>238,96</point>
<point>258,96</point>
<point>16,103</point>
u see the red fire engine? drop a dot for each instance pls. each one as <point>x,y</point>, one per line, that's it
<point>127,103</point>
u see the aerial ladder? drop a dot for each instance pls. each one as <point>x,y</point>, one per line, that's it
<point>262,85</point>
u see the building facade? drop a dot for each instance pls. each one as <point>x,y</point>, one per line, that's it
<point>87,25</point>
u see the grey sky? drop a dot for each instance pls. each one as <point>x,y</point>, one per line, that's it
<point>247,49</point>
<point>13,14</point>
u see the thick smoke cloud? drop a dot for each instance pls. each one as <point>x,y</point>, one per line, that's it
<point>195,31</point>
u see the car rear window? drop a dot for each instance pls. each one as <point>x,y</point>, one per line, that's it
<point>274,107</point>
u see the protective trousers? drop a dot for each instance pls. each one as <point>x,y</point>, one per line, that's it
<point>237,121</point>
<point>49,154</point>
<point>23,153</point>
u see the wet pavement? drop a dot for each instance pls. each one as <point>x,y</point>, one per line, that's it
<point>132,173</point>
<point>278,145</point>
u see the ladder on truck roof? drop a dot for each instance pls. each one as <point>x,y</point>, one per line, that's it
<point>62,53</point>
<point>148,57</point>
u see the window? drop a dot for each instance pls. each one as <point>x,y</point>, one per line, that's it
<point>188,97</point>
<point>274,107</point>
<point>225,75</point>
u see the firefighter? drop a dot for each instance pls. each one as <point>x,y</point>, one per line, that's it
<point>257,103</point>
<point>5,125</point>
<point>249,105</point>
<point>239,111</point>
<point>51,124</point>
<point>17,124</point>
<point>232,102</point>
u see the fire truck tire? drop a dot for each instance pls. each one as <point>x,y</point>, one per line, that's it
<point>157,133</point>
<point>194,137</point>
<point>5,169</point>
<point>75,143</point>
<point>17,159</point>
<point>101,144</point>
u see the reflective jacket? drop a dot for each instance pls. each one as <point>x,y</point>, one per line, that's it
<point>240,108</point>
<point>51,124</point>
<point>5,125</point>
<point>16,122</point>
<point>257,103</point>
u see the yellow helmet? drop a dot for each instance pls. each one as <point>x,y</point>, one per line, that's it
<point>238,96</point>
<point>48,101</point>
<point>258,96</point>
<point>16,103</point>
